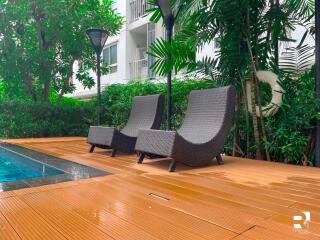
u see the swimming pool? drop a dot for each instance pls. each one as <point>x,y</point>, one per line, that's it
<point>15,167</point>
<point>25,168</point>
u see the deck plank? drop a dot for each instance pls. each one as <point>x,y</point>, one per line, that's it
<point>108,199</point>
<point>26,222</point>
<point>115,226</point>
<point>241,200</point>
<point>62,219</point>
<point>7,232</point>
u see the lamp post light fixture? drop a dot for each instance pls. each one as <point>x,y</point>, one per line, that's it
<point>317,44</point>
<point>168,17</point>
<point>98,38</point>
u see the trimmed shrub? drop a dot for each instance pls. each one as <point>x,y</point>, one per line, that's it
<point>20,119</point>
<point>117,99</point>
<point>23,118</point>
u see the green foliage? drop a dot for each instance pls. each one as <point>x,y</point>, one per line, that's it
<point>117,99</point>
<point>65,101</point>
<point>292,128</point>
<point>291,132</point>
<point>289,129</point>
<point>302,8</point>
<point>181,56</point>
<point>20,119</point>
<point>41,40</point>
<point>261,24</point>
<point>54,98</point>
<point>249,33</point>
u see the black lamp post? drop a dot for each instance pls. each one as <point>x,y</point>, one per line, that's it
<point>98,38</point>
<point>168,19</point>
<point>317,43</point>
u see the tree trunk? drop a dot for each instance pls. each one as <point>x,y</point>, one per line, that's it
<point>28,84</point>
<point>235,144</point>
<point>256,93</point>
<point>247,118</point>
<point>254,60</point>
<point>46,92</point>
<point>24,72</point>
<point>256,133</point>
<point>276,45</point>
<point>263,129</point>
<point>67,82</point>
<point>306,158</point>
<point>45,68</point>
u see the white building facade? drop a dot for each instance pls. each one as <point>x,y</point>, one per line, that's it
<point>126,53</point>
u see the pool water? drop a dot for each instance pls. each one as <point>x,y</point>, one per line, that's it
<point>15,167</point>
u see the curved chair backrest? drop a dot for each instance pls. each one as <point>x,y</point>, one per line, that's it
<point>209,113</point>
<point>146,113</point>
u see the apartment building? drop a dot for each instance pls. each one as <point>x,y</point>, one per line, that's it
<point>126,53</point>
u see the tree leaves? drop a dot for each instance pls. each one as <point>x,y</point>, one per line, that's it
<point>39,40</point>
<point>172,56</point>
<point>301,8</point>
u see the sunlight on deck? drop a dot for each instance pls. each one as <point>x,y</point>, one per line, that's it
<point>242,200</point>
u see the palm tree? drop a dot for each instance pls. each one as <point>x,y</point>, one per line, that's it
<point>249,41</point>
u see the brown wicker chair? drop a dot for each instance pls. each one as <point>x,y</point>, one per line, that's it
<point>202,135</point>
<point>146,113</point>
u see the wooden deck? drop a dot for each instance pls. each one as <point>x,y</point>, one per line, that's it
<point>241,200</point>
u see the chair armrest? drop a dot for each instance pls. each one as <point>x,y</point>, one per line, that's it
<point>156,142</point>
<point>101,135</point>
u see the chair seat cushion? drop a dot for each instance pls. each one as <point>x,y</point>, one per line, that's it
<point>101,135</point>
<point>155,142</point>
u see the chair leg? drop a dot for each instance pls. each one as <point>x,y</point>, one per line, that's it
<point>172,166</point>
<point>154,156</point>
<point>114,152</point>
<point>219,159</point>
<point>91,148</point>
<point>141,157</point>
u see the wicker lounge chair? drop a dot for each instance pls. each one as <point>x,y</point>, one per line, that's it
<point>202,135</point>
<point>146,113</point>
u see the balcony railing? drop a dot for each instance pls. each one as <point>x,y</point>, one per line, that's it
<point>139,69</point>
<point>138,9</point>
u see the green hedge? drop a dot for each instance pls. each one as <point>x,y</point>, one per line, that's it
<point>117,99</point>
<point>23,118</point>
<point>20,119</point>
<point>290,131</point>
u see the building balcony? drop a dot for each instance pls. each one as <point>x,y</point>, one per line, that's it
<point>138,9</point>
<point>139,70</point>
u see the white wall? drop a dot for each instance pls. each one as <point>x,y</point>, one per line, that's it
<point>209,49</point>
<point>298,34</point>
<point>127,43</point>
<point>131,36</point>
<point>121,76</point>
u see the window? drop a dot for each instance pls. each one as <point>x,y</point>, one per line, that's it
<point>110,57</point>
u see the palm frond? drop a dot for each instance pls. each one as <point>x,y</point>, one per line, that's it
<point>296,60</point>
<point>302,13</point>
<point>174,56</point>
<point>208,67</point>
<point>301,8</point>
<point>154,10</point>
<point>191,7</point>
